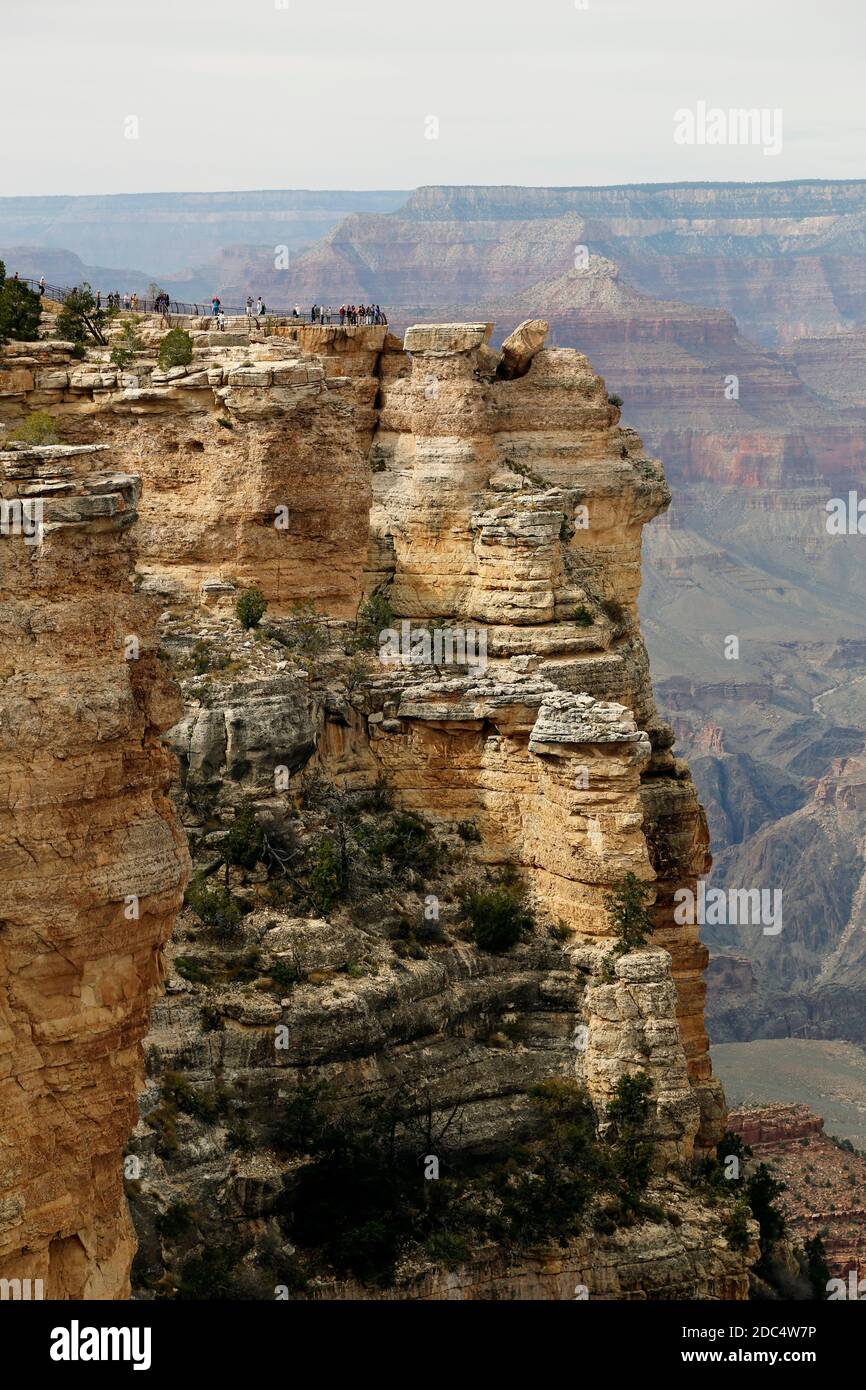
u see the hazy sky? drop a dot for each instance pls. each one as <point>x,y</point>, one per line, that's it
<point>234,94</point>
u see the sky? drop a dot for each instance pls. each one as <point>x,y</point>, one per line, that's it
<point>103,96</point>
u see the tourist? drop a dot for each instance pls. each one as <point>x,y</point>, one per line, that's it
<point>260,308</point>
<point>249,306</point>
<point>41,285</point>
<point>98,300</point>
<point>215,306</point>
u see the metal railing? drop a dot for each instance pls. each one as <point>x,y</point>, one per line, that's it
<point>180,307</point>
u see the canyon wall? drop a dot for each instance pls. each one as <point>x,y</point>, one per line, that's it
<point>823,1180</point>
<point>469,489</point>
<point>729,318</point>
<point>93,863</point>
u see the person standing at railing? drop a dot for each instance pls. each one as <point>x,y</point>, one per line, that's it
<point>41,286</point>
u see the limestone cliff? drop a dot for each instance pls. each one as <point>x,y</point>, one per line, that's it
<point>93,862</point>
<point>469,493</point>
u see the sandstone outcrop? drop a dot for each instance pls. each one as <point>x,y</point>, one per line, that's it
<point>489,501</point>
<point>93,863</point>
<point>255,459</point>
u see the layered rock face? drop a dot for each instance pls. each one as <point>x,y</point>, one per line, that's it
<point>93,864</point>
<point>755,441</point>
<point>492,501</point>
<point>517,505</point>
<point>255,457</point>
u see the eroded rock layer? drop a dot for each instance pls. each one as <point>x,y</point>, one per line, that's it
<point>93,864</point>
<point>491,505</point>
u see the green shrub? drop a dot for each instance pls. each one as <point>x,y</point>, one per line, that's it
<point>20,310</point>
<point>468,831</point>
<point>303,1121</point>
<point>244,844</point>
<point>615,400</point>
<point>737,1227</point>
<point>378,798</point>
<point>213,904</point>
<point>284,974</point>
<point>243,968</point>
<point>629,1108</point>
<point>211,1019</point>
<point>374,616</point>
<point>127,345</point>
<point>631,920</point>
<point>192,969</point>
<point>714,1170</point>
<point>815,1268</point>
<point>175,349</point>
<point>498,919</point>
<point>79,307</point>
<point>632,1155</point>
<point>240,1136</point>
<point>209,1275</point>
<point>448,1249</point>
<point>250,608</point>
<point>762,1189</point>
<point>205,657</point>
<point>327,878</point>
<point>177,1091</point>
<point>176,1220</point>
<point>361,1199</point>
<point>38,428</point>
<point>582,616</point>
<point>405,841</point>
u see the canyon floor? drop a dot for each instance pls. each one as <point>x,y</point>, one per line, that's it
<point>828,1077</point>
